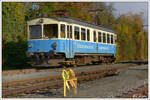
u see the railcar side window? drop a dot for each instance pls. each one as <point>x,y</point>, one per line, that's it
<point>104,38</point>
<point>99,37</point>
<point>70,31</point>
<point>88,35</point>
<point>108,38</point>
<point>111,39</point>
<point>76,33</point>
<point>62,33</point>
<point>51,30</point>
<point>115,37</point>
<point>94,36</point>
<point>83,34</point>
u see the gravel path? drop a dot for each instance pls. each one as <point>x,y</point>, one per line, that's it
<point>108,87</point>
<point>116,85</point>
<point>23,76</point>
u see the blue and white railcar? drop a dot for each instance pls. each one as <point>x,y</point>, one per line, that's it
<point>51,40</point>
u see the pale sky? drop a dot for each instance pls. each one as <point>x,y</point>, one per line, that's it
<point>133,7</point>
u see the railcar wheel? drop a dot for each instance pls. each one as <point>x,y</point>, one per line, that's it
<point>38,61</point>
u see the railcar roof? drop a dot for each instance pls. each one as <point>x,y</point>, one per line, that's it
<point>70,20</point>
<point>85,24</point>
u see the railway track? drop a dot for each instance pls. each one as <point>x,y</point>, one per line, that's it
<point>27,86</point>
<point>30,70</point>
<point>43,69</point>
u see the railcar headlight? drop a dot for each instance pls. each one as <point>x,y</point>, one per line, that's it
<point>41,20</point>
<point>54,45</point>
<point>30,45</point>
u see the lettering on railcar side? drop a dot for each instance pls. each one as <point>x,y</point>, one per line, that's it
<point>104,48</point>
<point>85,46</point>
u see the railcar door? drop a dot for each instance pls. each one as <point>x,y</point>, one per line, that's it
<point>69,41</point>
<point>96,41</point>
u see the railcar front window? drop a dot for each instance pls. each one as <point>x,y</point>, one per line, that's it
<point>35,31</point>
<point>51,30</point>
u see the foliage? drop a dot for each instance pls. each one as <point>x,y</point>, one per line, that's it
<point>13,32</point>
<point>13,21</point>
<point>131,37</point>
<point>105,15</point>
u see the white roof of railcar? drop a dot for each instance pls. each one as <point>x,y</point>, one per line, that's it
<point>70,20</point>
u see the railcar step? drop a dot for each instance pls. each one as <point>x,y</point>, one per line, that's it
<point>68,63</point>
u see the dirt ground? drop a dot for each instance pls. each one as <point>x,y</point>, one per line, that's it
<point>108,87</point>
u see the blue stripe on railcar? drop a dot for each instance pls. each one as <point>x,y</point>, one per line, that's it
<point>106,48</point>
<point>89,47</point>
<point>70,47</point>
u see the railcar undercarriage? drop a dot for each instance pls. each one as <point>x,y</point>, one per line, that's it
<point>53,59</point>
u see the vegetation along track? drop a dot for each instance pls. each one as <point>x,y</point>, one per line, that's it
<point>27,86</point>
